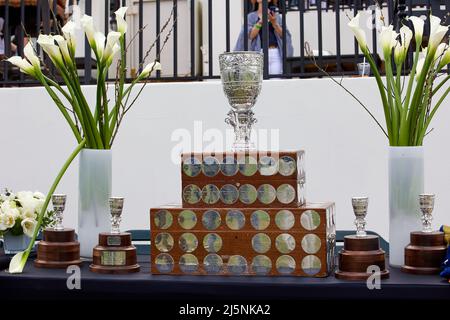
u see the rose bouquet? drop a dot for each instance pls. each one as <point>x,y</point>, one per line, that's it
<point>19,212</point>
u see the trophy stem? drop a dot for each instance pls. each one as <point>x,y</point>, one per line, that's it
<point>242,124</point>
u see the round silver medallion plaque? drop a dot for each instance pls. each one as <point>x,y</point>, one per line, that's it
<point>211,220</point>
<point>188,242</point>
<point>229,167</point>
<point>210,194</point>
<point>310,220</point>
<point>287,166</point>
<point>247,166</point>
<point>285,264</point>
<point>311,265</point>
<point>210,166</point>
<point>164,242</point>
<point>284,219</point>
<point>229,194</point>
<point>285,193</point>
<point>285,243</point>
<point>261,265</point>
<point>192,194</point>
<point>187,219</point>
<point>266,193</point>
<point>163,219</point>
<point>267,166</point>
<point>235,220</point>
<point>237,264</point>
<point>247,194</point>
<point>311,243</point>
<point>260,220</point>
<point>164,263</point>
<point>213,263</point>
<point>192,166</point>
<point>261,242</point>
<point>188,263</point>
<point>212,242</point>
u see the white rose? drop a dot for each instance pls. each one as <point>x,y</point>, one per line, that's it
<point>7,221</point>
<point>39,195</point>
<point>24,195</point>
<point>28,213</point>
<point>28,226</point>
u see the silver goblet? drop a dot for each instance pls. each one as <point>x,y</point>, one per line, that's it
<point>116,206</point>
<point>426,206</point>
<point>360,205</point>
<point>59,204</point>
<point>241,73</point>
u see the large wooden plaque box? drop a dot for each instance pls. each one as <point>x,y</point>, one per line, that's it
<point>296,241</point>
<point>238,179</point>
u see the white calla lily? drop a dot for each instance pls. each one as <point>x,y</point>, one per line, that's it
<point>149,68</point>
<point>115,49</point>
<point>401,49</point>
<point>359,33</point>
<point>31,56</point>
<point>99,43</point>
<point>418,24</point>
<point>16,265</point>
<point>63,46</point>
<point>445,58</point>
<point>388,39</point>
<point>437,32</point>
<point>87,22</point>
<point>22,64</point>
<point>48,45</point>
<point>120,18</point>
<point>69,34</point>
<point>28,226</point>
<point>419,67</point>
<point>111,42</point>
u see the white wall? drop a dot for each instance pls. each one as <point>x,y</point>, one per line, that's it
<point>345,152</point>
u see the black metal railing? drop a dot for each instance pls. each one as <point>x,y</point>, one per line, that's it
<point>24,20</point>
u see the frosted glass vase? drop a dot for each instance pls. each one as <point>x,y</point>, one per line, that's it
<point>406,182</point>
<point>94,190</point>
<point>14,244</point>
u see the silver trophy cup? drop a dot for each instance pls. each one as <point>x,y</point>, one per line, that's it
<point>426,202</point>
<point>241,73</point>
<point>360,205</point>
<point>59,204</point>
<point>116,206</point>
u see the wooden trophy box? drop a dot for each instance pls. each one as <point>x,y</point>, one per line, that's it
<point>58,249</point>
<point>114,254</point>
<point>358,255</point>
<point>425,253</point>
<point>239,179</point>
<point>297,241</point>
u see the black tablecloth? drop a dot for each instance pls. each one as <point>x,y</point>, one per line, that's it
<point>49,283</point>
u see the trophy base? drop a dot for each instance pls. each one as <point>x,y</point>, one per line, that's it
<point>58,249</point>
<point>425,254</point>
<point>243,146</point>
<point>114,254</point>
<point>359,255</point>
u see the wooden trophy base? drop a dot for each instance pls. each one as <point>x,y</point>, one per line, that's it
<point>114,254</point>
<point>58,249</point>
<point>425,253</point>
<point>358,254</point>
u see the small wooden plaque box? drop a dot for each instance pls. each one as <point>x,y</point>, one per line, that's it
<point>296,241</point>
<point>238,179</point>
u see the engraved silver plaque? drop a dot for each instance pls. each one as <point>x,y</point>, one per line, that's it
<point>188,263</point>
<point>192,194</point>
<point>310,220</point>
<point>261,265</point>
<point>285,193</point>
<point>211,220</point>
<point>235,220</point>
<point>248,166</point>
<point>260,220</point>
<point>164,263</point>
<point>187,219</point>
<point>285,264</point>
<point>113,258</point>
<point>163,219</point>
<point>229,167</point>
<point>247,194</point>
<point>267,166</point>
<point>285,243</point>
<point>210,194</point>
<point>188,242</point>
<point>113,241</point>
<point>266,193</point>
<point>213,263</point>
<point>212,242</point>
<point>311,265</point>
<point>284,219</point>
<point>311,243</point>
<point>164,242</point>
<point>237,264</point>
<point>287,166</point>
<point>210,166</point>
<point>192,166</point>
<point>261,242</point>
<point>229,194</point>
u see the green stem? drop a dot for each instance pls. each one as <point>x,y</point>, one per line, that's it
<point>47,201</point>
<point>435,90</point>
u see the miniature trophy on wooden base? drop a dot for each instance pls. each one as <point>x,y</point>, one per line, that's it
<point>426,252</point>
<point>361,255</point>
<point>115,252</point>
<point>58,249</point>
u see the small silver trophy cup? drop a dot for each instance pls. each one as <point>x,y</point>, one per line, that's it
<point>59,204</point>
<point>426,202</point>
<point>360,205</point>
<point>116,206</point>
<point>241,73</point>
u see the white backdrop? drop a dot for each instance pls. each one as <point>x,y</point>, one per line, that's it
<point>346,154</point>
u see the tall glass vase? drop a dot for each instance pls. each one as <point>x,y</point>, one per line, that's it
<point>406,182</point>
<point>95,170</point>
